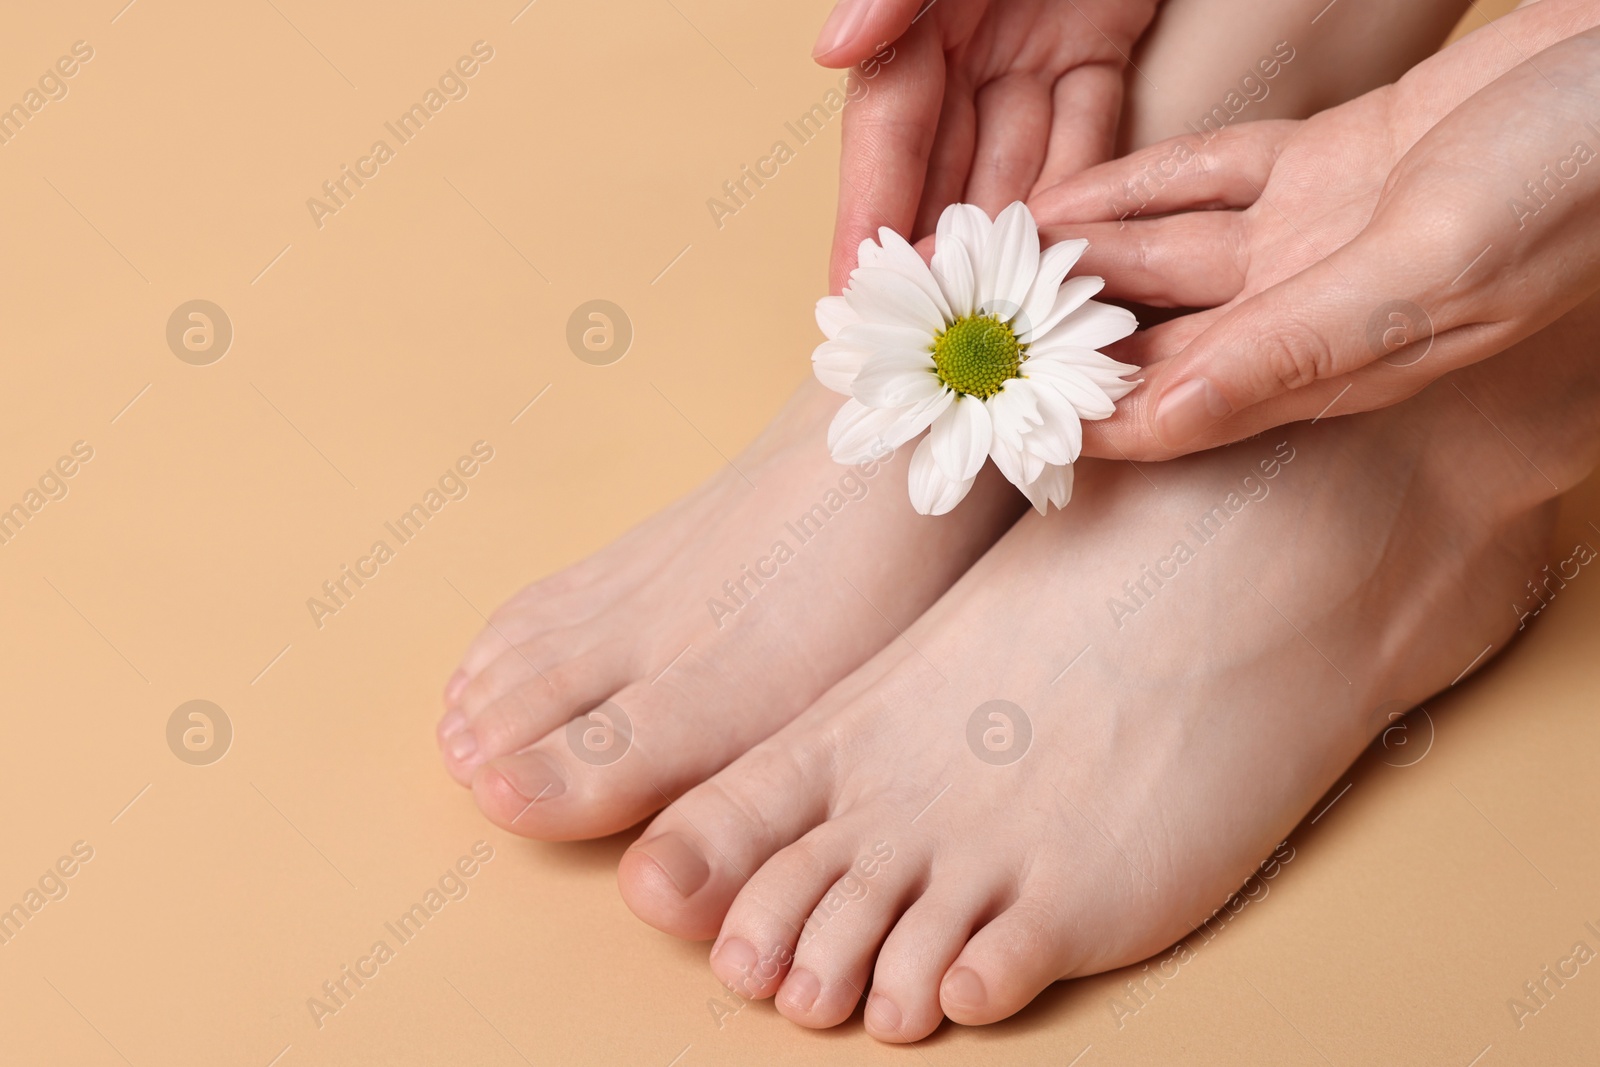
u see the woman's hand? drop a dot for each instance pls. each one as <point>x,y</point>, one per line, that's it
<point>982,102</point>
<point>1378,246</point>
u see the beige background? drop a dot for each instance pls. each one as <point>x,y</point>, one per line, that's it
<point>370,353</point>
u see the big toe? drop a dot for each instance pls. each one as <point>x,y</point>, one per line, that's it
<point>684,872</point>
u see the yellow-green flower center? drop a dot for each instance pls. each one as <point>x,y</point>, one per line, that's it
<point>977,355</point>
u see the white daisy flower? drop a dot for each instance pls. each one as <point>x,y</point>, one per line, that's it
<point>993,347</point>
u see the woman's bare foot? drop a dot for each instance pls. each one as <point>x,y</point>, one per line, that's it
<point>1189,655</point>
<point>709,626</point>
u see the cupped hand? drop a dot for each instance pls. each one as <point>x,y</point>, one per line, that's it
<point>978,101</point>
<point>1349,260</point>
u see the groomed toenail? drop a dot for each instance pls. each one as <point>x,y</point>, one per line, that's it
<point>800,990</point>
<point>680,861</point>
<point>964,989</point>
<point>452,723</point>
<point>883,1014</point>
<point>454,687</point>
<point>462,745</point>
<point>740,957</point>
<point>532,775</point>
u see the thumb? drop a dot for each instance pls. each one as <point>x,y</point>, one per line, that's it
<point>858,28</point>
<point>1362,304</point>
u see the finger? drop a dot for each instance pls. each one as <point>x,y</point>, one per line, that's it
<point>1330,320</point>
<point>950,161</point>
<point>1194,260</point>
<point>1086,102</point>
<point>1013,115</point>
<point>1377,385</point>
<point>1185,173</point>
<point>858,28</point>
<point>886,137</point>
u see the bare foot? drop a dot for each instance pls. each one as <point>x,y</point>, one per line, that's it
<point>1192,652</point>
<point>709,626</point>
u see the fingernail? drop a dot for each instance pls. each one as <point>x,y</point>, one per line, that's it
<point>964,989</point>
<point>841,26</point>
<point>800,990</point>
<point>1185,410</point>
<point>682,863</point>
<point>738,956</point>
<point>454,687</point>
<point>532,775</point>
<point>452,723</point>
<point>462,746</point>
<point>882,1013</point>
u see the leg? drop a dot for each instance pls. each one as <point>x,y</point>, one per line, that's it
<point>1334,54</point>
<point>1186,705</point>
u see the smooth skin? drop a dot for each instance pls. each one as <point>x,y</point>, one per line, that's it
<point>1324,248</point>
<point>631,625</point>
<point>983,102</point>
<point>869,846</point>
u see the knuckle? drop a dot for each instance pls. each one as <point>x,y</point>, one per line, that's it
<point>1296,356</point>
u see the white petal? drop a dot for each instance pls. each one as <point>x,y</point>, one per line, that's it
<point>1101,369</point>
<point>1094,325</point>
<point>1053,486</point>
<point>875,336</point>
<point>1096,365</point>
<point>1069,298</point>
<point>967,224</point>
<point>868,254</point>
<point>836,365</point>
<point>932,491</point>
<point>922,415</point>
<point>1033,465</point>
<point>1090,401</point>
<point>833,315</point>
<point>880,294</point>
<point>1061,428</point>
<point>1008,459</point>
<point>860,433</point>
<point>1051,440</point>
<point>895,378</point>
<point>1009,263</point>
<point>900,256</point>
<point>1117,390</point>
<point>1053,267</point>
<point>960,438</point>
<point>1012,409</point>
<point>952,268</point>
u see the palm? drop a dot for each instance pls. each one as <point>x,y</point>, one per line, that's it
<point>985,101</point>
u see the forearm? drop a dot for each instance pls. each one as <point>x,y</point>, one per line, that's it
<point>1205,63</point>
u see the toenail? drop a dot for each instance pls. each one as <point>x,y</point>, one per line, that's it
<point>800,990</point>
<point>737,955</point>
<point>461,746</point>
<point>532,775</point>
<point>681,862</point>
<point>882,1013</point>
<point>452,723</point>
<point>453,688</point>
<point>964,989</point>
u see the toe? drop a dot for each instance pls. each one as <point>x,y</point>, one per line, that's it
<point>522,618</point>
<point>915,956</point>
<point>1008,963</point>
<point>776,912</point>
<point>618,762</point>
<point>531,702</point>
<point>842,935</point>
<point>733,823</point>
